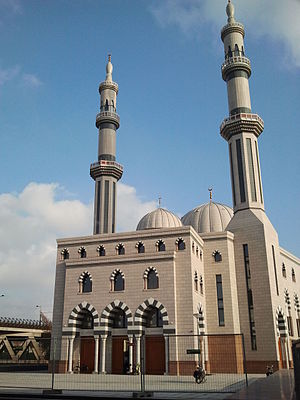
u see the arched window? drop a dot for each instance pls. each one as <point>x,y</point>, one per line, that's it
<point>152,280</point>
<point>201,284</point>
<point>118,282</point>
<point>293,275</point>
<point>82,252</point>
<point>153,317</point>
<point>140,247</point>
<point>160,245</point>
<point>65,254</point>
<point>101,250</point>
<point>243,51</point>
<point>180,244</point>
<point>217,256</point>
<point>236,50</point>
<point>196,281</point>
<point>229,52</point>
<point>201,255</point>
<point>193,247</point>
<point>197,251</point>
<point>86,319</point>
<point>120,249</point>
<point>283,270</point>
<point>119,318</point>
<point>106,105</point>
<point>86,284</point>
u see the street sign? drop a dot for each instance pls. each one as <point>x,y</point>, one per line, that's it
<point>193,351</point>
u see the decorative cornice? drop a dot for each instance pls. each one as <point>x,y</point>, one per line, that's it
<point>241,123</point>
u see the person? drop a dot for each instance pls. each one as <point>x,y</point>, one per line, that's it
<point>269,370</point>
<point>199,374</point>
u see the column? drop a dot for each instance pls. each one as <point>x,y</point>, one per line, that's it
<point>130,349</point>
<point>138,350</point>
<point>166,354</point>
<point>286,353</point>
<point>96,355</point>
<point>103,350</point>
<point>70,367</point>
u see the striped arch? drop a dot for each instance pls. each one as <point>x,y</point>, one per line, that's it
<point>281,325</point>
<point>83,274</point>
<point>287,299</point>
<point>119,245</point>
<point>145,276</point>
<point>106,320</point>
<point>297,304</point>
<point>75,320</point>
<point>115,272</point>
<point>139,243</point>
<point>201,323</point>
<point>139,317</point>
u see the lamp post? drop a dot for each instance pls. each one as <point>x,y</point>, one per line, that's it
<point>40,307</point>
<point>196,315</point>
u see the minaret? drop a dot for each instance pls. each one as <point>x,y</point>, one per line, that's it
<point>242,128</point>
<point>106,171</point>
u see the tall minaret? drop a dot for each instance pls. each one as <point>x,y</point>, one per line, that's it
<point>106,172</point>
<point>242,128</point>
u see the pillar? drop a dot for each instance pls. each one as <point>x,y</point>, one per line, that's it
<point>96,354</point>
<point>166,354</point>
<point>138,350</point>
<point>130,349</point>
<point>103,351</point>
<point>70,366</point>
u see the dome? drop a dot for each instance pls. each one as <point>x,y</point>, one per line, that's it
<point>209,217</point>
<point>159,218</point>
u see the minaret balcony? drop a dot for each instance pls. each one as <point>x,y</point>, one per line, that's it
<point>108,85</point>
<point>235,27</point>
<point>105,167</point>
<point>239,123</point>
<point>236,63</point>
<point>107,116</point>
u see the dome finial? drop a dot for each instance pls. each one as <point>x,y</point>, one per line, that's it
<point>159,201</point>
<point>230,12</point>
<point>210,189</point>
<point>109,69</point>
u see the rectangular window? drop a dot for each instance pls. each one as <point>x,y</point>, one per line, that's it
<point>106,198</point>
<point>251,170</point>
<point>298,326</point>
<point>275,272</point>
<point>249,297</point>
<point>240,170</point>
<point>232,175</point>
<point>258,171</point>
<point>220,300</point>
<point>290,326</point>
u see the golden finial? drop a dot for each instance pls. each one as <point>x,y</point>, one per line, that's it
<point>210,193</point>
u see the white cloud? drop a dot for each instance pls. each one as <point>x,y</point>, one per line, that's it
<point>8,74</point>
<point>275,19</point>
<point>31,80</point>
<point>30,223</point>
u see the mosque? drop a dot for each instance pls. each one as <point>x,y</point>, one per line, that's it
<point>215,271</point>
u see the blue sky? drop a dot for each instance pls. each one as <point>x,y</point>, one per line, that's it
<point>167,56</point>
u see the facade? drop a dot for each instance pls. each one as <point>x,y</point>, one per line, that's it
<point>216,271</point>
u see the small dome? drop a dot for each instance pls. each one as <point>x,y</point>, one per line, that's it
<point>159,218</point>
<point>209,217</point>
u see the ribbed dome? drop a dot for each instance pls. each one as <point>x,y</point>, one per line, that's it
<point>209,217</point>
<point>159,218</point>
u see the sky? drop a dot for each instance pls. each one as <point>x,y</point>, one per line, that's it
<point>167,56</point>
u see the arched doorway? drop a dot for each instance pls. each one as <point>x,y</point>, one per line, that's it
<point>120,350</point>
<point>154,341</point>
<point>87,342</point>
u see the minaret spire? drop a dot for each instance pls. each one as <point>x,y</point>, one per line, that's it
<point>106,171</point>
<point>242,128</point>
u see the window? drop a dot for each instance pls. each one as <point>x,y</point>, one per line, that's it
<point>120,249</point>
<point>250,297</point>
<point>101,250</point>
<point>243,51</point>
<point>82,252</point>
<point>201,284</point>
<point>86,284</point>
<point>236,50</point>
<point>153,318</point>
<point>220,300</point>
<point>229,52</point>
<point>180,244</point>
<point>290,325</point>
<point>196,281</point>
<point>197,251</point>
<point>118,282</point>
<point>283,270</point>
<point>193,248</point>
<point>293,275</point>
<point>65,254</point>
<point>119,318</point>
<point>217,256</point>
<point>152,280</point>
<point>161,245</point>
<point>140,247</point>
<point>87,321</point>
